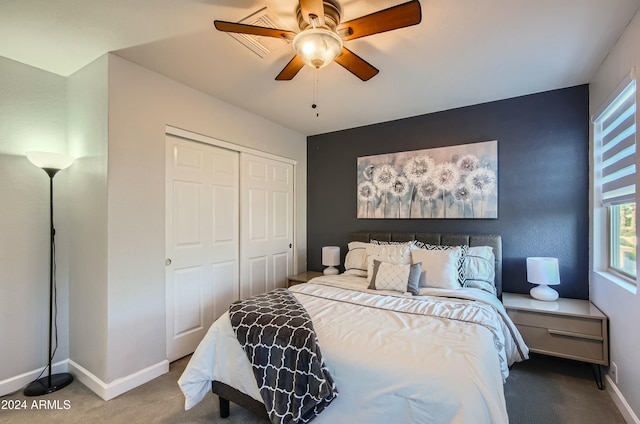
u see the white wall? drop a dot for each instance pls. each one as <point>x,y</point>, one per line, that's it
<point>32,117</point>
<point>111,116</point>
<point>622,306</point>
<point>87,108</point>
<point>141,103</point>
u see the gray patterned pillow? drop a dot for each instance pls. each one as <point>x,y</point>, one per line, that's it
<point>402,278</point>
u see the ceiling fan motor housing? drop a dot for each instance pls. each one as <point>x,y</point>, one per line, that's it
<point>332,14</point>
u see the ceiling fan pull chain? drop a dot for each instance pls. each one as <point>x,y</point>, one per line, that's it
<point>314,105</point>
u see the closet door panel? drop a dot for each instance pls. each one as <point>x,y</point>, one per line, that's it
<point>266,223</point>
<point>202,239</point>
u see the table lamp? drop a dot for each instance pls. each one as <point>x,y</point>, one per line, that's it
<point>544,272</point>
<point>330,259</point>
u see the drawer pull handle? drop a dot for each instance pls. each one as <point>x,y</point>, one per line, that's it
<point>575,335</point>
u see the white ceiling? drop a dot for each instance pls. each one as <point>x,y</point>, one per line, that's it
<point>463,52</point>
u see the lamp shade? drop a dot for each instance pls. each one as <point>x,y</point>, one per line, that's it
<point>49,160</point>
<point>330,256</point>
<point>317,47</point>
<point>330,259</point>
<point>545,273</point>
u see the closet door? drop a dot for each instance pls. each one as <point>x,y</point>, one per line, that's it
<point>202,239</point>
<point>266,224</point>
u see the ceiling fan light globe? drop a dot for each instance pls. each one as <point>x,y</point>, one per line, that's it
<point>317,47</point>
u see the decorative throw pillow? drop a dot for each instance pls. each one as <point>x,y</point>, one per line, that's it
<point>402,278</point>
<point>439,267</point>
<point>386,243</point>
<point>355,263</point>
<point>464,248</point>
<point>397,254</point>
<point>479,268</point>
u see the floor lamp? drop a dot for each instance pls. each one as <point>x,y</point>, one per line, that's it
<point>51,163</point>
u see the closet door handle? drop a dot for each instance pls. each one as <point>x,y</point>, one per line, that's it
<point>290,245</point>
<point>167,262</point>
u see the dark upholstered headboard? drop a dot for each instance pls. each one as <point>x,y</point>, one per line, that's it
<point>495,241</point>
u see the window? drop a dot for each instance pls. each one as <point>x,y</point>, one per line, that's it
<point>622,249</point>
<point>615,147</point>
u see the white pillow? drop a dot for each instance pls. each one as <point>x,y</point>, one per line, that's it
<point>397,254</point>
<point>479,268</point>
<point>439,267</point>
<point>355,263</point>
<point>464,248</point>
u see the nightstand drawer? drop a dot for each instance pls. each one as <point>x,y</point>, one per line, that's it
<point>558,343</point>
<point>571,324</point>
<point>568,328</point>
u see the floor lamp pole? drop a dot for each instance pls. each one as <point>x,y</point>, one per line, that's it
<point>52,235</point>
<point>52,382</point>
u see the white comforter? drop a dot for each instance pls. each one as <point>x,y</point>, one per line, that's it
<point>394,358</point>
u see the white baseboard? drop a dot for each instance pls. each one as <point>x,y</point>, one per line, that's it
<point>13,384</point>
<point>626,411</point>
<point>121,385</point>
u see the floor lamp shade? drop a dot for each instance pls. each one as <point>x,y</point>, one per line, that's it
<point>51,163</point>
<point>545,273</point>
<point>331,259</point>
<point>50,160</point>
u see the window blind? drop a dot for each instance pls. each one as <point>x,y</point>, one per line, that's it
<point>615,128</point>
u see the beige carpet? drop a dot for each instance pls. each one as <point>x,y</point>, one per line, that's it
<point>159,401</point>
<point>553,390</point>
<point>541,390</point>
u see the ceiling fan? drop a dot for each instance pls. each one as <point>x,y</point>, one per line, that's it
<point>321,36</point>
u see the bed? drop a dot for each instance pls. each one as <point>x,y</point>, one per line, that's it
<point>436,355</point>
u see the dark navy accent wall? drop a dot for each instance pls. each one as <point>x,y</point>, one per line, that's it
<point>543,181</point>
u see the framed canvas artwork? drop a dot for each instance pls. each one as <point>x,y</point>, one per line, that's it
<point>454,182</point>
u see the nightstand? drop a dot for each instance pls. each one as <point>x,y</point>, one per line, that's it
<point>303,277</point>
<point>567,328</point>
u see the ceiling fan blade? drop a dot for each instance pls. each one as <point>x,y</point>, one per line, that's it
<point>312,8</point>
<point>356,65</point>
<point>253,30</point>
<point>291,69</point>
<point>400,16</point>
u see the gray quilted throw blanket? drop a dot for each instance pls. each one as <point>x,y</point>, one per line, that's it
<point>277,335</point>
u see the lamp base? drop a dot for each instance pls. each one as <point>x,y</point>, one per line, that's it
<point>331,271</point>
<point>41,386</point>
<point>544,292</point>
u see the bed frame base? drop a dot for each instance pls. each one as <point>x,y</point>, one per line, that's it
<point>224,407</point>
<point>227,393</point>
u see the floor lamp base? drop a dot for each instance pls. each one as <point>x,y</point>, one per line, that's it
<point>41,386</point>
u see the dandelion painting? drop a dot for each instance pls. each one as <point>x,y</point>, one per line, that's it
<point>446,182</point>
